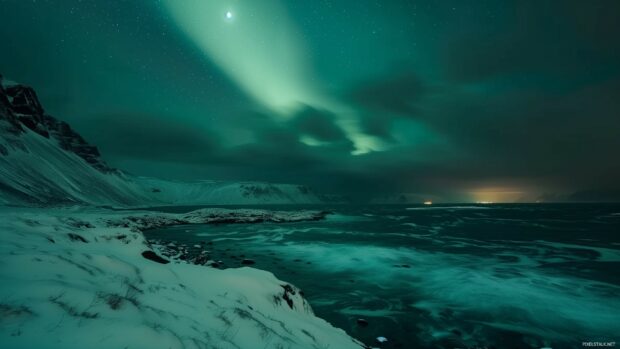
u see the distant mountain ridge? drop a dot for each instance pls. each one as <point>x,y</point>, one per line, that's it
<point>44,161</point>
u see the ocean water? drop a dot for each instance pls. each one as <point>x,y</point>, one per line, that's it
<point>453,276</point>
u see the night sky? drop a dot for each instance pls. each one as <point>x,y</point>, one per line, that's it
<point>445,100</point>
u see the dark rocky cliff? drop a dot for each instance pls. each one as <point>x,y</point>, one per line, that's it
<point>21,109</point>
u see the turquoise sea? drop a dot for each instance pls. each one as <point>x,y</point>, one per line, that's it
<point>442,276</point>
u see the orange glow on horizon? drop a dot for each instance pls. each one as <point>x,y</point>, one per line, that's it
<point>494,195</point>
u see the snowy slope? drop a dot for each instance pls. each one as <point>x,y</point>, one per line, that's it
<point>76,278</point>
<point>43,161</point>
<point>227,193</point>
<point>35,170</point>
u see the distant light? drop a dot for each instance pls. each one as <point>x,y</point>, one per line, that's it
<point>229,15</point>
<point>428,202</point>
<point>484,202</point>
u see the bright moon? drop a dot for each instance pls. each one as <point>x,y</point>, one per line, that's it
<point>229,15</point>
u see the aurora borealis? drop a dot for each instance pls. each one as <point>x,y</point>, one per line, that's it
<point>442,100</point>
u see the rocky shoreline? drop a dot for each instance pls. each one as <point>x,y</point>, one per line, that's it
<point>101,284</point>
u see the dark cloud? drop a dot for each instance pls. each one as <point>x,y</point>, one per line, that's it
<point>533,40</point>
<point>149,137</point>
<point>522,133</point>
<point>274,148</point>
<point>398,94</point>
<point>318,124</point>
<point>382,100</point>
<point>278,145</point>
<point>274,153</point>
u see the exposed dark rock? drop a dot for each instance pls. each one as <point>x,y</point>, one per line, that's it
<point>288,290</point>
<point>150,255</point>
<point>8,310</point>
<point>288,299</point>
<point>402,266</point>
<point>303,189</point>
<point>248,262</point>
<point>76,237</point>
<point>362,322</point>
<point>24,100</point>
<point>257,191</point>
<point>114,301</point>
<point>20,106</point>
<point>201,259</point>
<point>78,223</point>
<point>10,124</point>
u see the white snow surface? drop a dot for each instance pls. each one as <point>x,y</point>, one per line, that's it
<point>38,171</point>
<point>225,193</point>
<point>74,277</point>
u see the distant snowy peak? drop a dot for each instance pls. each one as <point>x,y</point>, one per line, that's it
<point>227,193</point>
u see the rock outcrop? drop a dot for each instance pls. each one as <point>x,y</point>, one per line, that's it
<point>20,106</point>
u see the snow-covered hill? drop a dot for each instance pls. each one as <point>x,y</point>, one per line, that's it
<point>87,278</point>
<point>225,193</point>
<point>44,161</point>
